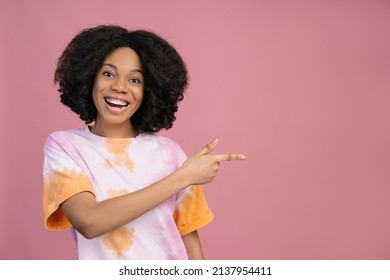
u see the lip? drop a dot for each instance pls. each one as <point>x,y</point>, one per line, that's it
<point>115,109</point>
<point>116,98</point>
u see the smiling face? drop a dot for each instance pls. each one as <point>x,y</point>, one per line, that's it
<point>117,93</point>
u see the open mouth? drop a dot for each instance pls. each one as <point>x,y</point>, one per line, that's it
<point>116,103</point>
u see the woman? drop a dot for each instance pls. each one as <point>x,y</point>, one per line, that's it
<point>126,192</point>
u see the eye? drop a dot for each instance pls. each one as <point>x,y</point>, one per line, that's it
<point>134,81</point>
<point>107,74</point>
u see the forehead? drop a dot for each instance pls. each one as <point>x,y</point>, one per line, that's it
<point>123,57</point>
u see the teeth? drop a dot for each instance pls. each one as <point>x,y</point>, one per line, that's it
<point>116,101</point>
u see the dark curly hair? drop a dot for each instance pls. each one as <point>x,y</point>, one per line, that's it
<point>164,71</point>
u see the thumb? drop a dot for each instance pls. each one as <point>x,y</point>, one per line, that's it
<point>207,148</point>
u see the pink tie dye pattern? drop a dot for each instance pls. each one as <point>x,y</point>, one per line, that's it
<point>112,167</point>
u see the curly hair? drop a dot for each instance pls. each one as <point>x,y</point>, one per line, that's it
<point>164,71</point>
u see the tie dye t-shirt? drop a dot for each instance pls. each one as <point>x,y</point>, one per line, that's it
<point>77,161</point>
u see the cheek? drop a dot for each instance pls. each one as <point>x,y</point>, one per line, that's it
<point>94,96</point>
<point>96,89</point>
<point>139,95</point>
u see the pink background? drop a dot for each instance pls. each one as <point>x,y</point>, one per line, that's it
<point>302,88</point>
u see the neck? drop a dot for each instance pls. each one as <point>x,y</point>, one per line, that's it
<point>124,130</point>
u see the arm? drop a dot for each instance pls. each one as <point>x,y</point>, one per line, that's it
<point>194,248</point>
<point>92,218</point>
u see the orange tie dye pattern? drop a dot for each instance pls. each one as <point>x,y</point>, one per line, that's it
<point>58,186</point>
<point>120,154</point>
<point>78,160</point>
<point>192,212</point>
<point>119,240</point>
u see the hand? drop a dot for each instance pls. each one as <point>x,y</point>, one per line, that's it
<point>201,167</point>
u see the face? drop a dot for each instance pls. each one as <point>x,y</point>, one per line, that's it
<point>118,90</point>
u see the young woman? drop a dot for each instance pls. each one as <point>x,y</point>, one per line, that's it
<point>126,192</point>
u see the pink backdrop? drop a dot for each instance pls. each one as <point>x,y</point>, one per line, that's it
<point>302,88</point>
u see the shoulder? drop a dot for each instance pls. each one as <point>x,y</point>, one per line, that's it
<point>161,148</point>
<point>62,138</point>
<point>161,141</point>
<point>60,134</point>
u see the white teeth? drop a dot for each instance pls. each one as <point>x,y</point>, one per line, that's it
<point>116,101</point>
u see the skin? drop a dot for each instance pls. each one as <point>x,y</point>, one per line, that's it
<point>121,78</point>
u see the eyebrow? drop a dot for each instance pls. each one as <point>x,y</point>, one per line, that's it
<point>135,70</point>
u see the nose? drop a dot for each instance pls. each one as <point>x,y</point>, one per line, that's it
<point>119,86</point>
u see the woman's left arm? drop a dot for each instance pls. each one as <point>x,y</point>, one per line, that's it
<point>193,246</point>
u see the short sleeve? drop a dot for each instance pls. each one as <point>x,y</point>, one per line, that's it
<point>192,211</point>
<point>62,179</point>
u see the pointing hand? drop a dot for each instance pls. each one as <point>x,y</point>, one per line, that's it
<point>202,166</point>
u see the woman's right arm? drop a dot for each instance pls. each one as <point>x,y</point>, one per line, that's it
<point>92,218</point>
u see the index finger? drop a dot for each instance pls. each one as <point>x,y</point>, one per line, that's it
<point>229,157</point>
<point>207,148</point>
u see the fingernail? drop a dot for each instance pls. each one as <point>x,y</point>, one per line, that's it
<point>242,157</point>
